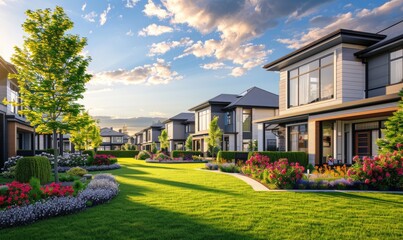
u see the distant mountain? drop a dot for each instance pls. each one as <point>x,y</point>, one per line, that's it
<point>133,124</point>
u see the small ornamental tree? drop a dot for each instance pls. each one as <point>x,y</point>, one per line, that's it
<point>214,136</point>
<point>51,72</point>
<point>164,142</point>
<point>86,134</point>
<point>189,143</point>
<point>393,130</point>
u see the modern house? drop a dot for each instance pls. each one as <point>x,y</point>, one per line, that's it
<point>179,127</point>
<point>148,136</point>
<point>236,113</point>
<point>111,139</point>
<point>336,93</point>
<point>15,131</point>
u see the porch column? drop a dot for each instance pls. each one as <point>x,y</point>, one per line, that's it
<point>313,140</point>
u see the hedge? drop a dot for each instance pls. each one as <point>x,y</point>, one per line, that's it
<point>228,156</point>
<point>300,157</point>
<point>120,153</point>
<point>28,167</point>
<point>179,153</point>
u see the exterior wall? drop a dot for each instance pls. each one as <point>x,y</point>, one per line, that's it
<point>378,74</point>
<point>349,79</point>
<point>238,128</point>
<point>13,128</point>
<point>178,130</point>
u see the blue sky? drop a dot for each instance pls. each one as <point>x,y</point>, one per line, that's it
<point>153,58</point>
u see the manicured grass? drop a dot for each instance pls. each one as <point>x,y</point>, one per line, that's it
<point>176,201</point>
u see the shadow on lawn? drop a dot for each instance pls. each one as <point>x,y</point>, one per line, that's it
<point>354,196</point>
<point>178,184</point>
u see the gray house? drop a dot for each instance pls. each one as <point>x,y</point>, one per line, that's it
<point>146,137</point>
<point>236,114</point>
<point>111,139</point>
<point>337,92</point>
<point>179,127</point>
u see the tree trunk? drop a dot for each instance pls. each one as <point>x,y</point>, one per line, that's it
<point>55,153</point>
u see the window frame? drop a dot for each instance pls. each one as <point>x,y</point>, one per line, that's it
<point>243,119</point>
<point>297,77</point>
<point>390,60</point>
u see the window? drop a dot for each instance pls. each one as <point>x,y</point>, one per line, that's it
<point>311,82</point>
<point>204,118</point>
<point>247,120</point>
<point>187,130</point>
<point>117,139</point>
<point>106,139</point>
<point>298,138</point>
<point>149,135</point>
<point>228,118</point>
<point>396,66</point>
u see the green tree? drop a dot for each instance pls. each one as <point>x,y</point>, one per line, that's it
<point>51,71</point>
<point>189,143</point>
<point>164,141</point>
<point>87,134</point>
<point>393,130</point>
<point>214,136</point>
<point>154,149</point>
<point>252,145</point>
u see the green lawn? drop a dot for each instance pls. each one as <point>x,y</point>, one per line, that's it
<point>176,201</point>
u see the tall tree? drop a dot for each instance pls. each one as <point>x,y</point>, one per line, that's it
<point>51,71</point>
<point>189,143</point>
<point>393,130</point>
<point>214,136</point>
<point>164,141</point>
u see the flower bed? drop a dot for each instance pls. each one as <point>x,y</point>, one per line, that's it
<point>100,190</point>
<point>92,168</point>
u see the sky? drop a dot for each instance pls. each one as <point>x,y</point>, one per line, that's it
<point>157,58</point>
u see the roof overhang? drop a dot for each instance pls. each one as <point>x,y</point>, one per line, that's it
<point>326,42</point>
<point>381,47</point>
<point>286,118</point>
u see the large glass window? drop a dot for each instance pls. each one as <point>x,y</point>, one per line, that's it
<point>298,138</point>
<point>311,82</point>
<point>247,120</point>
<point>396,66</point>
<point>106,139</point>
<point>228,118</point>
<point>204,118</point>
<point>117,139</point>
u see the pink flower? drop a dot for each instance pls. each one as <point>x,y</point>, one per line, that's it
<point>367,181</point>
<point>387,174</point>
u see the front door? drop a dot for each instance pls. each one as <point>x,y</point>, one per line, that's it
<point>363,143</point>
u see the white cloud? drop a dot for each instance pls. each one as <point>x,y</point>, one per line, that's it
<point>83,7</point>
<point>150,10</point>
<point>104,15</point>
<point>90,17</point>
<point>163,47</point>
<point>238,71</point>
<point>155,30</point>
<point>130,33</point>
<point>131,3</point>
<point>150,74</point>
<point>362,20</point>
<point>213,66</point>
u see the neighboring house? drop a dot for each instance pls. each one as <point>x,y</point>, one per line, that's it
<point>138,140</point>
<point>179,127</point>
<point>148,136</point>
<point>15,132</point>
<point>236,114</point>
<point>111,139</point>
<point>337,92</point>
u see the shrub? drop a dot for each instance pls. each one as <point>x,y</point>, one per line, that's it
<point>284,174</point>
<point>102,159</point>
<point>77,186</point>
<point>68,178</point>
<point>29,167</point>
<point>184,154</point>
<point>90,153</point>
<point>161,156</point>
<point>197,158</point>
<point>229,156</point>
<point>10,173</point>
<point>35,193</point>
<point>120,153</point>
<point>382,172</point>
<point>296,157</point>
<point>229,167</point>
<point>211,166</point>
<point>256,165</point>
<point>77,171</point>
<point>143,155</point>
